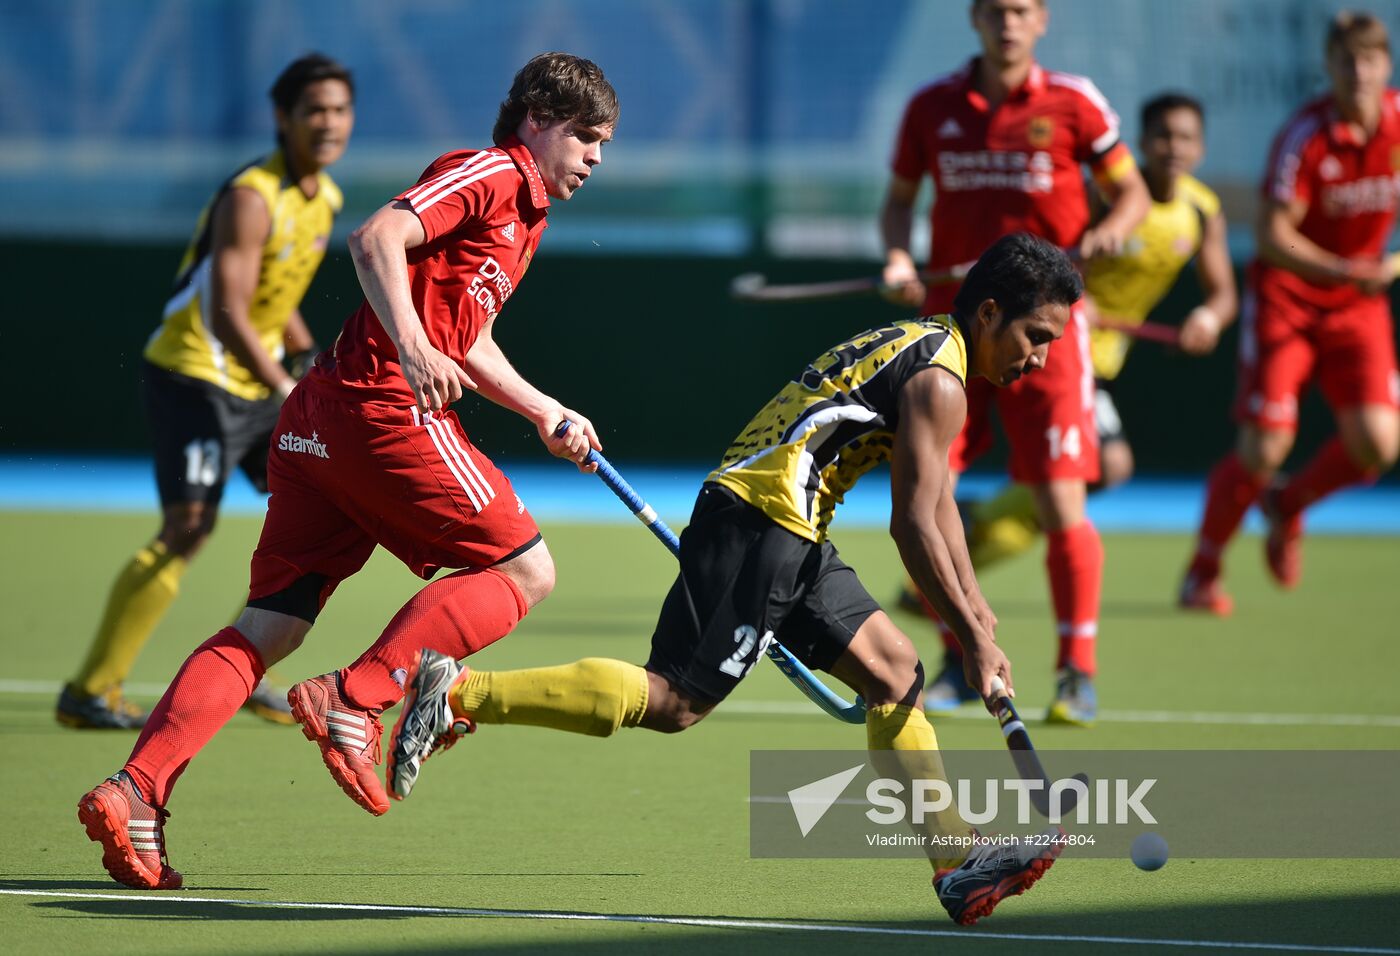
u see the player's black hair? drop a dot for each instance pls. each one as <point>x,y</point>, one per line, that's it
<point>1019,272</point>
<point>301,73</point>
<point>555,86</point>
<point>1163,103</point>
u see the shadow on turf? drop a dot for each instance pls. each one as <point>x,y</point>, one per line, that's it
<point>60,883</point>
<point>1350,919</point>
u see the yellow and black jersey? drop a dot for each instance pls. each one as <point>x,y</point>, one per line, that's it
<point>296,243</point>
<point>1127,287</point>
<point>806,448</point>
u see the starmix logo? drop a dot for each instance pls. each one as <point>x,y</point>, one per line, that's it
<point>304,446</point>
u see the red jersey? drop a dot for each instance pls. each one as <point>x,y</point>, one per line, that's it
<point>1350,189</point>
<point>1012,167</point>
<point>483,212</point>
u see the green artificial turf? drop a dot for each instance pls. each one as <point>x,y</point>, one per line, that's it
<point>525,821</point>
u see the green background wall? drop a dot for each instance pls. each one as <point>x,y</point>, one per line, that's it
<point>651,349</point>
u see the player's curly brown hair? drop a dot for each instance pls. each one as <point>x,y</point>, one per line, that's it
<point>554,86</point>
<point>1356,30</point>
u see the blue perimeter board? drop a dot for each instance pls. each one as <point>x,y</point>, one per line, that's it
<point>555,491</point>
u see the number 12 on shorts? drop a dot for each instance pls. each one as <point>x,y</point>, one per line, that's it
<point>202,462</point>
<point>742,660</point>
<point>1063,442</point>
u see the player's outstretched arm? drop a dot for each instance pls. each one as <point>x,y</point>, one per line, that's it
<point>932,408</point>
<point>238,231</point>
<point>950,523</point>
<point>498,381</point>
<point>379,249</point>
<point>900,279</point>
<point>1128,203</point>
<point>1202,327</point>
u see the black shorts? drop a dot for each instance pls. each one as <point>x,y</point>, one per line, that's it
<point>1107,421</point>
<point>200,432</point>
<point>745,582</point>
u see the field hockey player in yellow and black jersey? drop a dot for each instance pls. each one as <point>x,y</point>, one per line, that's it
<point>214,377</point>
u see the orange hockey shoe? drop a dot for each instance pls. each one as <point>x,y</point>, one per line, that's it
<point>347,735</point>
<point>1283,545</point>
<point>132,834</point>
<point>1204,594</point>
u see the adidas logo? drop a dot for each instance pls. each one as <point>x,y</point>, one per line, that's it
<point>143,834</point>
<point>346,729</point>
<point>949,129</point>
<point>509,232</point>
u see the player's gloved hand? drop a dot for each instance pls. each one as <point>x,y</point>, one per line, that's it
<point>982,661</point>
<point>299,363</point>
<point>574,442</point>
<point>436,380</point>
<point>1200,332</point>
<point>900,284</point>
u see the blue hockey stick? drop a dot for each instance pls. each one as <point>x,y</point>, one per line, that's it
<point>793,669</point>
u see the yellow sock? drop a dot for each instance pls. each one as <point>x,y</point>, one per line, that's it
<point>594,696</point>
<point>1003,526</point>
<point>906,731</point>
<point>138,600</point>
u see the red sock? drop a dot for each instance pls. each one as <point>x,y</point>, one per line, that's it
<point>216,680</point>
<point>1331,468</point>
<point>950,643</point>
<point>1075,562</point>
<point>457,616</point>
<point>1230,490</point>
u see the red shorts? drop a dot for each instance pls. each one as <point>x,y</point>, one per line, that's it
<point>346,476</point>
<point>1048,415</point>
<point>1285,344</point>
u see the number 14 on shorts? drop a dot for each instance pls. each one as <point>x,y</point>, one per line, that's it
<point>1063,442</point>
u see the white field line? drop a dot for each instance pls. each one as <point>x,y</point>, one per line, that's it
<point>702,921</point>
<point>800,708</point>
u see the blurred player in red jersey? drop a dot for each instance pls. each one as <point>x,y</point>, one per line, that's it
<point>1318,310</point>
<point>1004,141</point>
<point>367,453</point>
<point>1184,223</point>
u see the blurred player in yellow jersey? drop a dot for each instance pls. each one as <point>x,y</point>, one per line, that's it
<point>213,379</point>
<point>1184,222</point>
